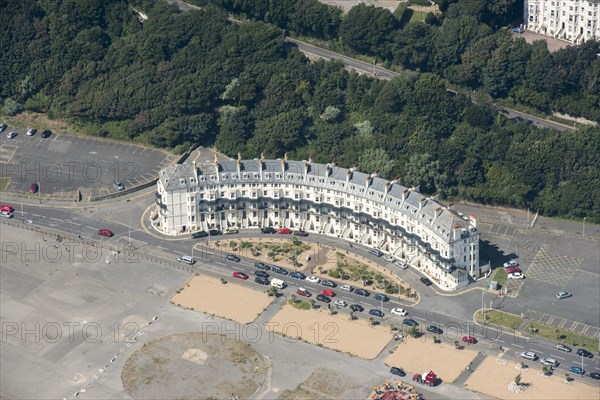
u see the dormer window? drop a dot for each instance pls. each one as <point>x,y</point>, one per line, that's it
<point>234,177</point>
<point>277,176</point>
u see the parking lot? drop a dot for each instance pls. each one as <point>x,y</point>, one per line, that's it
<point>62,164</point>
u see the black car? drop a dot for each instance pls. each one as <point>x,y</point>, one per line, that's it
<point>199,234</point>
<point>434,329</point>
<point>376,313</point>
<point>362,292</point>
<point>261,265</point>
<point>595,375</point>
<point>425,281</point>
<point>214,232</point>
<point>297,275</point>
<point>232,257</point>
<point>261,280</point>
<point>585,353</point>
<point>268,229</point>
<point>262,274</point>
<point>357,308</point>
<point>410,322</point>
<point>381,297</point>
<point>324,299</point>
<point>46,134</point>
<point>279,270</point>
<point>300,233</point>
<point>328,283</point>
<point>397,371</point>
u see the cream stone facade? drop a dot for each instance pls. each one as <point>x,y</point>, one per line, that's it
<point>575,21</point>
<point>323,199</point>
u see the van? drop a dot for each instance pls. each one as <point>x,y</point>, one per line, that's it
<point>278,283</point>
<point>551,362</point>
<point>375,252</point>
<point>187,260</point>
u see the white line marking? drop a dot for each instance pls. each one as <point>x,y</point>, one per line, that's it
<point>516,345</point>
<point>560,358</point>
<point>56,219</point>
<point>91,227</point>
<point>37,215</point>
<point>73,223</point>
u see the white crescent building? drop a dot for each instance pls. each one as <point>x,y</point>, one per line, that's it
<point>323,199</point>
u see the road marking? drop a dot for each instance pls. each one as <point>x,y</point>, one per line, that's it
<point>56,219</point>
<point>91,227</point>
<point>419,318</point>
<point>560,358</point>
<point>516,345</point>
<point>73,223</point>
<point>37,215</point>
<point>220,263</point>
<point>347,298</point>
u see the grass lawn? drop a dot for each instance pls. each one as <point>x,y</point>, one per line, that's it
<point>563,336</point>
<point>4,184</point>
<point>501,318</point>
<point>500,276</point>
<point>300,305</point>
<point>418,16</point>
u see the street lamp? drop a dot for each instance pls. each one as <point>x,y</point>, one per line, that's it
<point>584,226</point>
<point>482,308</point>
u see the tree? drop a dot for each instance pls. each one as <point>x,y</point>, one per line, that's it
<point>376,160</point>
<point>414,331</point>
<point>422,170</point>
<point>471,172</point>
<point>272,291</point>
<point>518,379</point>
<point>294,299</point>
<point>366,28</point>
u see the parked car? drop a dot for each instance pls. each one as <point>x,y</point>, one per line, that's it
<point>6,214</point>
<point>279,270</point>
<point>425,281</point>
<point>585,353</point>
<point>346,288</point>
<point>232,257</point>
<point>516,275</point>
<point>376,313</point>
<point>434,329</point>
<point>518,30</point>
<point>529,355</point>
<point>512,270</point>
<point>357,308</point>
<point>261,265</point>
<point>468,339</point>
<point>11,135</point>
<point>46,134</point>
<point>31,131</point>
<point>189,260</point>
<point>327,292</point>
<point>328,283</point>
<point>214,232</point>
<point>7,208</point>
<point>375,252</point>
<point>301,233</point>
<point>261,280</point>
<point>399,311</point>
<point>303,292</point>
<point>401,264</point>
<point>231,230</point>
<point>511,263</point>
<point>284,231</point>
<point>595,375</point>
<point>268,230</point>
<point>340,303</point>
<point>105,232</point>
<point>324,299</point>
<point>362,292</point>
<point>262,274</point>
<point>551,362</point>
<point>389,258</point>
<point>397,371</point>
<point>313,279</point>
<point>240,275</point>
<point>119,185</point>
<point>2,127</point>
<point>577,370</point>
<point>297,275</point>
<point>564,348</point>
<point>199,234</point>
<point>563,295</point>
<point>34,188</point>
<point>410,322</point>
<point>381,297</point>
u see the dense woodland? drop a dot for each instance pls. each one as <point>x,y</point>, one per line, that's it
<point>179,79</point>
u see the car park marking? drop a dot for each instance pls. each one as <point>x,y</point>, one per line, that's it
<point>516,345</point>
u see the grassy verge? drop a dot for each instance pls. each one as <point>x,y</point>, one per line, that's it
<point>563,336</point>
<point>418,16</point>
<point>4,184</point>
<point>301,305</point>
<point>500,276</point>
<point>501,318</point>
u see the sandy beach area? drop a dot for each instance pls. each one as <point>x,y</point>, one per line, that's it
<point>332,331</point>
<point>231,301</point>
<point>492,378</point>
<point>421,354</point>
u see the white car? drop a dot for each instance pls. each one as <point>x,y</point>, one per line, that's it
<point>516,275</point>
<point>401,264</point>
<point>11,135</point>
<point>340,303</point>
<point>6,214</point>
<point>2,127</point>
<point>399,311</point>
<point>31,131</point>
<point>511,263</point>
<point>529,355</point>
<point>346,288</point>
<point>313,279</point>
<point>389,258</point>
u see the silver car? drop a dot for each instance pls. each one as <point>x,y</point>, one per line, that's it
<point>564,348</point>
<point>119,185</point>
<point>529,355</point>
<point>563,295</point>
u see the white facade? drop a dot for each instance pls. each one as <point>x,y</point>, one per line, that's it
<point>575,21</point>
<point>324,199</point>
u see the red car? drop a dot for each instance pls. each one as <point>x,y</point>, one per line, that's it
<point>284,231</point>
<point>327,292</point>
<point>512,270</point>
<point>303,292</point>
<point>7,209</point>
<point>240,275</point>
<point>469,339</point>
<point>105,232</point>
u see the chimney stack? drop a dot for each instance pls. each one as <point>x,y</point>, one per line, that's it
<point>217,168</point>
<point>437,213</point>
<point>368,182</point>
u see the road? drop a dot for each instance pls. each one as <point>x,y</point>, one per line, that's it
<point>456,321</point>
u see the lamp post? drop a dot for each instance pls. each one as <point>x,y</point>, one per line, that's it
<point>482,308</point>
<point>584,226</point>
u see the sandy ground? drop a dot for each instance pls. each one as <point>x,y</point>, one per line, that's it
<point>492,379</point>
<point>230,301</point>
<point>332,331</point>
<point>420,355</point>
